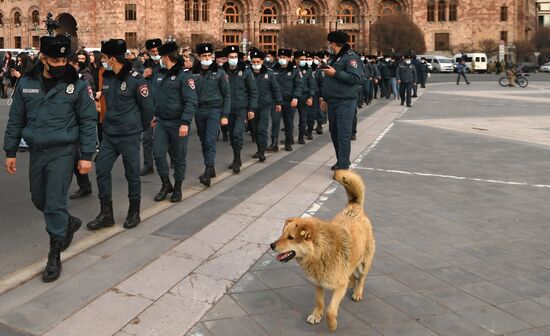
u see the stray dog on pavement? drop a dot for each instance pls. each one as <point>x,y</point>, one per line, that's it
<point>334,254</point>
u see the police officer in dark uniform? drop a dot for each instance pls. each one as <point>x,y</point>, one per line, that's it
<point>305,103</point>
<point>151,74</point>
<point>269,98</point>
<point>406,78</point>
<point>422,72</point>
<point>244,102</point>
<point>176,105</point>
<point>416,62</point>
<point>291,82</point>
<point>270,58</point>
<point>319,76</point>
<point>129,112</point>
<point>214,97</point>
<point>342,78</point>
<point>55,113</point>
<point>221,59</point>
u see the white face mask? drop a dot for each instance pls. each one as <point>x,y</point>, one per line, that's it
<point>206,63</point>
<point>408,61</point>
<point>283,62</point>
<point>155,58</point>
<point>362,59</point>
<point>302,64</point>
<point>162,65</point>
<point>387,59</point>
<point>233,62</point>
<point>256,67</point>
<point>310,63</point>
<point>317,62</point>
<point>268,59</point>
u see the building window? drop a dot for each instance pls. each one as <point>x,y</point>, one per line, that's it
<point>504,13</point>
<point>441,41</point>
<point>1,42</point>
<point>269,12</point>
<point>17,42</point>
<point>1,21</point>
<point>196,16</point>
<point>352,40</point>
<point>231,12</point>
<point>431,11</point>
<point>268,41</point>
<point>347,12</point>
<point>36,42</point>
<point>389,7</point>
<point>306,13</point>
<point>131,40</point>
<point>231,38</point>
<point>131,12</point>
<point>453,11</point>
<point>204,10</point>
<point>35,18</point>
<point>187,10</point>
<point>441,11</point>
<point>17,19</point>
<point>504,36</point>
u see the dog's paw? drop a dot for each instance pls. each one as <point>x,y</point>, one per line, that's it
<point>314,318</point>
<point>357,296</point>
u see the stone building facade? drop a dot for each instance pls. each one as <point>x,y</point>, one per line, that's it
<point>446,23</point>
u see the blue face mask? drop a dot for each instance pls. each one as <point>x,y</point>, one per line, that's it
<point>162,65</point>
<point>233,62</point>
<point>107,67</point>
<point>302,64</point>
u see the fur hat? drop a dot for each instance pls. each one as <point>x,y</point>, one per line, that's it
<point>168,48</point>
<point>204,48</point>
<point>59,46</point>
<point>284,52</point>
<point>257,54</point>
<point>154,43</point>
<point>113,47</point>
<point>299,53</point>
<point>232,49</point>
<point>338,36</point>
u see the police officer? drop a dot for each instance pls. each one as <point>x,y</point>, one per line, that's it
<point>305,102</point>
<point>270,58</point>
<point>319,76</point>
<point>176,105</point>
<point>151,74</point>
<point>55,113</point>
<point>214,98</point>
<point>422,72</point>
<point>406,78</point>
<point>221,57</point>
<point>291,82</point>
<point>342,78</point>
<point>129,112</point>
<point>313,111</point>
<point>269,98</point>
<point>416,62</point>
<point>244,101</point>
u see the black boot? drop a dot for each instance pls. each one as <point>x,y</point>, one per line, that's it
<point>74,225</point>
<point>301,140</point>
<point>132,218</point>
<point>236,165</point>
<point>319,128</point>
<point>53,266</point>
<point>165,189</point>
<point>288,145</point>
<point>309,133</point>
<point>105,217</point>
<point>261,154</point>
<point>205,177</point>
<point>176,195</point>
<point>80,193</point>
<point>274,148</point>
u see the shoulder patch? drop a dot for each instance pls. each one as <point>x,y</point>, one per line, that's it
<point>136,74</point>
<point>144,91</point>
<point>353,63</point>
<point>185,70</point>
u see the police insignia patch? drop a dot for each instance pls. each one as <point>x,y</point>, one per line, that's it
<point>240,73</point>
<point>266,76</point>
<point>123,86</point>
<point>173,77</point>
<point>70,89</point>
<point>90,92</point>
<point>289,74</point>
<point>144,91</point>
<point>191,83</point>
<point>353,63</point>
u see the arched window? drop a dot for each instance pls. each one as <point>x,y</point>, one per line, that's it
<point>441,11</point>
<point>187,10</point>
<point>1,19</point>
<point>389,7</point>
<point>35,17</point>
<point>431,11</point>
<point>269,12</point>
<point>196,16</point>
<point>17,19</point>
<point>452,10</point>
<point>231,12</point>
<point>306,12</point>
<point>347,12</point>
<point>204,10</point>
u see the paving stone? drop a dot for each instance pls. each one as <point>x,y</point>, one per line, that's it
<point>5,331</point>
<point>381,286</point>
<point>531,332</point>
<point>300,297</point>
<point>225,228</point>
<point>454,275</point>
<point>390,264</point>
<point>199,330</point>
<point>278,278</point>
<point>248,283</point>
<point>453,325</point>
<point>486,270</point>
<point>260,302</point>
<point>225,308</point>
<point>195,249</point>
<point>529,312</point>
<point>495,320</point>
<point>491,293</point>
<point>201,288</point>
<point>409,328</point>
<point>267,261</point>
<point>375,311</point>
<point>250,208</point>
<point>415,305</point>
<point>113,310</point>
<point>110,246</point>
<point>418,280</point>
<point>158,277</point>
<point>245,326</point>
<point>294,323</point>
<point>543,300</point>
<point>262,231</point>
<point>454,299</point>
<point>523,287</point>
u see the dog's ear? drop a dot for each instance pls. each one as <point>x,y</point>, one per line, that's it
<point>304,231</point>
<point>288,221</point>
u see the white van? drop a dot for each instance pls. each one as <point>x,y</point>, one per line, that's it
<point>439,63</point>
<point>479,58</point>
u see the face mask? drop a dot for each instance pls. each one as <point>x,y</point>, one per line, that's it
<point>206,63</point>
<point>162,65</point>
<point>309,63</point>
<point>155,58</point>
<point>302,64</point>
<point>283,62</point>
<point>317,62</point>
<point>106,66</point>
<point>81,65</point>
<point>362,59</point>
<point>220,64</point>
<point>256,67</point>
<point>387,59</point>
<point>408,61</point>
<point>268,59</point>
<point>56,71</point>
<point>233,62</point>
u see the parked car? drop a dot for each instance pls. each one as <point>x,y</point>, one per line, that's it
<point>438,63</point>
<point>545,67</point>
<point>528,67</point>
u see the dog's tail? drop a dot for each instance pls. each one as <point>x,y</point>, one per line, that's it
<point>355,187</point>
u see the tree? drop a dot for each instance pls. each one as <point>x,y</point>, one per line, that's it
<point>489,47</point>
<point>398,32</point>
<point>303,37</point>
<point>524,51</point>
<point>541,41</point>
<point>462,48</point>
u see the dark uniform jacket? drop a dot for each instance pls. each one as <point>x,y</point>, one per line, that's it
<point>406,73</point>
<point>129,103</point>
<point>319,76</point>
<point>344,84</point>
<point>310,85</point>
<point>64,115</point>
<point>290,81</point>
<point>385,70</point>
<point>422,68</point>
<point>268,88</point>
<point>177,98</point>
<point>244,93</point>
<point>212,88</point>
<point>154,80</point>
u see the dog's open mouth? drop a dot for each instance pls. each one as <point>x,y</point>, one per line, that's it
<point>287,256</point>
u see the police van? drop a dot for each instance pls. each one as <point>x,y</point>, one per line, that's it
<point>480,60</point>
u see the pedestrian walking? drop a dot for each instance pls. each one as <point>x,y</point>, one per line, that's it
<point>129,113</point>
<point>54,112</point>
<point>461,71</point>
<point>423,72</point>
<point>406,78</point>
